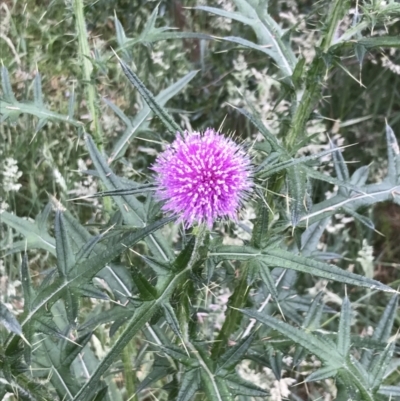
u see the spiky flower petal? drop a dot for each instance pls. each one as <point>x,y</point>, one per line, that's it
<point>203,177</point>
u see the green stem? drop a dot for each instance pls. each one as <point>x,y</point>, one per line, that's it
<point>87,69</point>
<point>233,315</point>
<point>129,373</point>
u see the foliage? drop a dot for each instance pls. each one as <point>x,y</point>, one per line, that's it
<point>116,301</point>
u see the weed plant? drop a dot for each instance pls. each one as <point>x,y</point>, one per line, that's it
<point>111,291</point>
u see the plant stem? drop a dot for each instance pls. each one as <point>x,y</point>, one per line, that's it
<point>233,315</point>
<point>87,69</point>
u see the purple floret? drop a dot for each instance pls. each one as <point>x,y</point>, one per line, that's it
<point>203,177</point>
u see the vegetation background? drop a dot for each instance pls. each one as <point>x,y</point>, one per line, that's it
<point>53,66</point>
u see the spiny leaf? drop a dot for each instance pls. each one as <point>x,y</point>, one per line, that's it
<point>313,344</point>
<point>288,260</point>
<point>65,256</point>
<point>161,368</point>
<point>269,137</point>
<point>234,354</point>
<point>282,258</point>
<point>226,14</point>
<point>342,172</point>
<point>367,222</point>
<point>85,271</point>
<point>171,319</point>
<point>131,209</point>
<point>134,125</point>
<point>150,23</point>
<point>34,237</point>
<point>390,391</point>
<point>378,371</point>
<point>8,320</point>
<point>286,164</point>
<point>244,388</point>
<point>6,86</point>
<point>188,385</point>
<point>381,332</point>
<point>267,278</point>
<point>380,41</point>
<point>312,235</point>
<point>322,374</point>
<point>161,113</point>
<point>360,176</point>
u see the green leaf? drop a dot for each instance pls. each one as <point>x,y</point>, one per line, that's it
<point>390,391</point>
<point>267,31</point>
<point>8,320</point>
<point>160,112</point>
<point>70,350</point>
<point>147,292</point>
<point>226,14</point>
<point>322,374</point>
<point>215,388</point>
<point>161,368</point>
<point>96,318</point>
<point>8,93</point>
<point>65,256</point>
<point>380,41</point>
<point>360,176</point>
<point>285,259</point>
<point>184,256</point>
<point>269,137</point>
<point>275,361</point>
<point>86,270</point>
<point>288,260</point>
<point>132,127</point>
<point>234,354</point>
<point>379,369</point>
<point>131,209</point>
<point>311,322</point>
<point>312,235</point>
<point>189,384</point>
<point>381,332</point>
<point>34,236</point>
<point>342,172</point>
<point>286,164</point>
<point>312,343</point>
<point>120,32</point>
<point>312,319</point>
<point>266,277</point>
<point>150,23</point>
<point>343,342</point>
<point>367,222</point>
<point>171,319</point>
<point>242,387</point>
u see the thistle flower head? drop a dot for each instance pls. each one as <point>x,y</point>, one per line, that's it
<point>203,177</point>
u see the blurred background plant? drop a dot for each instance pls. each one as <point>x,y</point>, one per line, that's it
<point>296,81</point>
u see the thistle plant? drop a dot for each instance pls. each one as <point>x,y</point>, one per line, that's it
<point>162,289</point>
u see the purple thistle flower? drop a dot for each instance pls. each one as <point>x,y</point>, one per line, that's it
<point>202,177</point>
